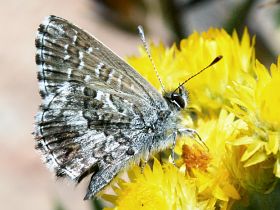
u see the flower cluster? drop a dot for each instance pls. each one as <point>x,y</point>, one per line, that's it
<point>235,108</point>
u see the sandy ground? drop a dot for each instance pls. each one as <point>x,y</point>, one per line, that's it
<point>25,183</point>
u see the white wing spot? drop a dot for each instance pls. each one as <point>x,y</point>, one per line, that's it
<point>81,55</point>
<point>120,80</point>
<point>87,78</point>
<point>40,36</point>
<point>97,69</point>
<point>48,67</point>
<point>82,63</point>
<point>66,57</point>
<point>99,95</point>
<point>111,75</point>
<point>66,47</point>
<point>69,72</point>
<point>74,39</point>
<point>89,50</point>
<point>45,52</point>
<point>57,27</point>
<point>46,21</point>
<point>43,84</point>
<point>109,102</point>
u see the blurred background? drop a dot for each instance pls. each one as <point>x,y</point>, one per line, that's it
<point>25,183</point>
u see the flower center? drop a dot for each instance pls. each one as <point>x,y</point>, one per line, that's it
<point>195,158</point>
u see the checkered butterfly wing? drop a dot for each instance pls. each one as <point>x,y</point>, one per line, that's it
<point>95,107</point>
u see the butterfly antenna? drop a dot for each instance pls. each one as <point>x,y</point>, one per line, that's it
<point>142,36</point>
<point>218,58</point>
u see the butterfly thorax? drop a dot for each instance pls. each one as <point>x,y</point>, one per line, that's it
<point>166,121</point>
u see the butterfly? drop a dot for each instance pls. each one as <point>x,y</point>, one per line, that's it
<point>98,115</point>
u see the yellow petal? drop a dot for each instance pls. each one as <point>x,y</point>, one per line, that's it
<point>252,149</point>
<point>256,158</point>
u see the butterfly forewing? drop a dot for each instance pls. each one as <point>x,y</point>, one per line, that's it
<point>69,48</point>
<point>98,114</point>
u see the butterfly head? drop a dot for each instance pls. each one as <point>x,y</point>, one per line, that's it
<point>178,99</point>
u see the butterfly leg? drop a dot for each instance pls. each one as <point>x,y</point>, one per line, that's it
<point>192,133</point>
<point>143,164</point>
<point>145,160</point>
<point>188,132</point>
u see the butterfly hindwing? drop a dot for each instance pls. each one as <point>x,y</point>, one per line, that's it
<point>77,131</point>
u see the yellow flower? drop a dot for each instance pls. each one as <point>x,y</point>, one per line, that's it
<point>235,109</point>
<point>268,95</point>
<point>161,188</point>
<point>257,102</point>
<point>213,178</point>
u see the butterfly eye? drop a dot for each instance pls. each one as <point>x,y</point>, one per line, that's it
<point>178,100</point>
